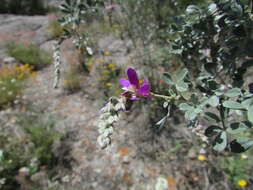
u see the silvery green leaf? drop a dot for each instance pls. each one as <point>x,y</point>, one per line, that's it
<point>185,107</point>
<point>250,114</point>
<point>213,101</point>
<point>212,8</point>
<point>247,95</point>
<point>186,95</point>
<point>182,86</point>
<point>192,9</point>
<point>233,105</point>
<point>89,50</point>
<point>212,117</point>
<point>111,119</point>
<point>247,103</point>
<point>101,130</point>
<point>180,75</point>
<point>176,51</point>
<point>218,93</point>
<point>165,104</point>
<point>241,144</point>
<point>110,130</point>
<point>237,7</point>
<point>203,101</point>
<point>233,92</point>
<point>102,124</point>
<point>212,130</point>
<point>235,128</point>
<point>238,112</point>
<point>198,110</point>
<point>190,115</point>
<point>220,142</point>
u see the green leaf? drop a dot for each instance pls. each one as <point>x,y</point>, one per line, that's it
<point>213,101</point>
<point>212,130</point>
<point>233,92</point>
<point>185,107</point>
<point>176,51</point>
<point>220,142</point>
<point>186,95</point>
<point>198,110</point>
<point>250,114</point>
<point>190,115</point>
<point>232,105</point>
<point>213,85</point>
<point>192,9</point>
<point>167,78</point>
<point>180,75</point>
<point>247,103</point>
<point>182,86</point>
<point>212,117</point>
<point>241,145</point>
<point>236,128</point>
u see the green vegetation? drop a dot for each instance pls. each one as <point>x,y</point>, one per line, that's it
<point>55,28</point>
<point>26,7</point>
<point>12,83</point>
<point>29,54</point>
<point>72,79</point>
<point>25,155</point>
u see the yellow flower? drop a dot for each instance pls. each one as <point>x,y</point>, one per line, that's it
<point>201,157</point>
<point>108,84</point>
<point>244,157</point>
<point>242,182</point>
<point>107,53</point>
<point>111,65</point>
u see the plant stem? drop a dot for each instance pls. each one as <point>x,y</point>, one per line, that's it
<point>160,96</point>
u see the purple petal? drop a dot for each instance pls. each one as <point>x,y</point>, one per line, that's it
<point>133,77</point>
<point>113,6</point>
<point>145,88</point>
<point>124,82</point>
<point>134,97</point>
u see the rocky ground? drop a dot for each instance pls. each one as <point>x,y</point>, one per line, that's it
<point>121,166</point>
<point>136,160</point>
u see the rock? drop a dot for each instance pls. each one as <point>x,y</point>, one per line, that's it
<point>9,60</point>
<point>40,177</point>
<point>23,28</point>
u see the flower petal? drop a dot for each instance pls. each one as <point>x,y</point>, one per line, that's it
<point>134,97</point>
<point>145,88</point>
<point>124,82</point>
<point>133,77</point>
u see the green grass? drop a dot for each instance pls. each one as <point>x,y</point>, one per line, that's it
<point>12,83</point>
<point>29,54</point>
<point>32,150</point>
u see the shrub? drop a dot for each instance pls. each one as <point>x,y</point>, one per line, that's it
<point>12,82</point>
<point>42,135</point>
<point>29,54</point>
<point>13,157</point>
<point>28,153</point>
<point>28,7</point>
<point>72,79</point>
<point>55,28</point>
<point>107,75</point>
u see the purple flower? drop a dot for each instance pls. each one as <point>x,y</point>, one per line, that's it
<point>112,6</point>
<point>132,87</point>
